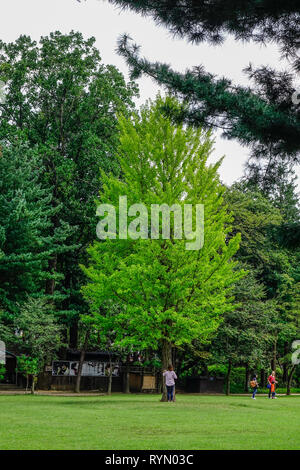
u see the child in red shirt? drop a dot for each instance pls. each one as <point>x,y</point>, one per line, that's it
<point>272,382</point>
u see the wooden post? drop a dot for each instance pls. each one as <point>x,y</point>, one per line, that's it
<point>166,360</point>
<point>228,378</point>
<point>81,361</point>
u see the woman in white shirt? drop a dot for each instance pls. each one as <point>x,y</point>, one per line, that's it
<point>170,377</point>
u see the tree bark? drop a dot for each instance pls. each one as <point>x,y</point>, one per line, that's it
<point>81,361</point>
<point>262,378</point>
<point>126,379</point>
<point>285,365</point>
<point>228,378</point>
<point>159,382</point>
<point>166,361</point>
<point>74,334</point>
<point>247,376</point>
<point>289,381</point>
<point>32,390</point>
<point>274,356</point>
<point>109,376</point>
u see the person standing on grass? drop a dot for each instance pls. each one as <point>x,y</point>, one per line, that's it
<point>272,382</point>
<point>254,386</point>
<point>170,378</point>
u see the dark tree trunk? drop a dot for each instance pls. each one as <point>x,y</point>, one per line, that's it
<point>72,331</point>
<point>273,364</point>
<point>109,376</point>
<point>126,379</point>
<point>166,361</point>
<point>62,353</point>
<point>33,380</point>
<point>228,378</point>
<point>289,381</point>
<point>81,361</point>
<point>74,334</point>
<point>262,378</point>
<point>142,378</point>
<point>247,377</point>
<point>159,382</point>
<point>174,357</point>
<point>285,364</point>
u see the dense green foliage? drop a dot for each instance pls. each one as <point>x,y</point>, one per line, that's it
<point>2,372</point>
<point>27,238</point>
<point>28,367</point>
<point>59,124</point>
<point>38,332</point>
<point>167,294</point>
<point>68,129</point>
<point>199,20</point>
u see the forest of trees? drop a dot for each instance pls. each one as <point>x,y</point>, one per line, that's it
<point>71,137</point>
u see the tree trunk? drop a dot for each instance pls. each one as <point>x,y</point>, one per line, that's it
<point>33,385</point>
<point>274,356</point>
<point>109,376</point>
<point>247,376</point>
<point>81,361</point>
<point>166,361</point>
<point>228,378</point>
<point>74,334</point>
<point>142,378</point>
<point>289,381</point>
<point>159,382</point>
<point>126,379</point>
<point>262,378</point>
<point>285,364</point>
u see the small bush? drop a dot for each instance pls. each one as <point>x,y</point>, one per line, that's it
<point>2,372</point>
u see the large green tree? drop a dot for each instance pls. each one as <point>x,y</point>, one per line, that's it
<point>63,101</point>
<point>166,295</point>
<point>247,333</point>
<point>269,246</point>
<point>27,237</point>
<point>35,335</point>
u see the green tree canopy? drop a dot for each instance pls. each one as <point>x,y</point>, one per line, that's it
<point>64,102</point>
<point>167,295</point>
<point>27,238</point>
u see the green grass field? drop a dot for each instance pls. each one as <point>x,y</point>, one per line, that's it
<point>142,422</point>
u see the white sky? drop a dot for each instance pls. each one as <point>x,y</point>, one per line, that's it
<point>105,22</point>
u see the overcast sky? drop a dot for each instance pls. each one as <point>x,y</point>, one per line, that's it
<point>105,22</point>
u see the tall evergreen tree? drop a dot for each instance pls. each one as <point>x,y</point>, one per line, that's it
<point>64,102</point>
<point>27,237</point>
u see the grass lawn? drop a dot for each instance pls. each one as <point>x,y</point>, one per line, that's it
<point>142,422</point>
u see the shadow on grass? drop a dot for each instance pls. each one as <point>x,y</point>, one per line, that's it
<point>102,401</point>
